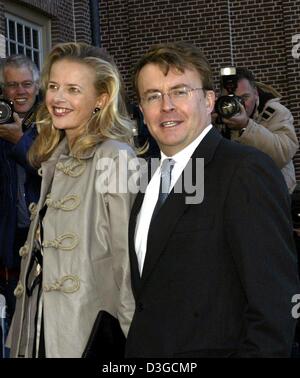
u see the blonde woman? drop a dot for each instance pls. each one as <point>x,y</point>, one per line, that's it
<point>75,260</point>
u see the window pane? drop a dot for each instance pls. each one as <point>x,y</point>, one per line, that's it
<point>23,37</point>
<point>20,49</point>
<point>36,58</point>
<point>27,36</point>
<point>12,48</point>
<point>35,39</point>
<point>11,27</point>
<point>28,53</point>
<point>20,37</point>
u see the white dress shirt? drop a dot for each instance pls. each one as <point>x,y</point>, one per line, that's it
<point>151,195</point>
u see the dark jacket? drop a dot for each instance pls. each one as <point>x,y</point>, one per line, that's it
<point>10,155</point>
<point>218,276</point>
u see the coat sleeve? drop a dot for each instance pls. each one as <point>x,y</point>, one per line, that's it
<point>275,136</point>
<point>259,233</point>
<point>119,206</point>
<point>20,150</point>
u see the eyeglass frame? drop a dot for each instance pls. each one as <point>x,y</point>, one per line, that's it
<point>13,85</point>
<point>162,94</point>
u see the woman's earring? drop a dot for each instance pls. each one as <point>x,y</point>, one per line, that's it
<point>96,110</point>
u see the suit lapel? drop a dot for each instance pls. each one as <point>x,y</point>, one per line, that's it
<point>135,273</point>
<point>162,226</point>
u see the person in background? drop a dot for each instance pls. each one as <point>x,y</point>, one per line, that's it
<point>264,123</point>
<point>213,270</point>
<point>75,260</point>
<point>19,182</point>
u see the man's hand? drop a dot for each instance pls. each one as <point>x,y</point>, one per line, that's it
<point>12,132</point>
<point>239,121</point>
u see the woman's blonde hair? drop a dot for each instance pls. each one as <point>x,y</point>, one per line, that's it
<point>112,121</point>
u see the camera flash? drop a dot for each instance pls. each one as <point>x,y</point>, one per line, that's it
<point>228,71</point>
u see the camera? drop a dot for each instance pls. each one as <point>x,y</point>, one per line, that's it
<point>6,111</point>
<point>229,105</point>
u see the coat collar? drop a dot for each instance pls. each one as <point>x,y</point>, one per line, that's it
<point>48,167</point>
<point>168,216</point>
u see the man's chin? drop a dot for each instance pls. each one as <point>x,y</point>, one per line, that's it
<point>21,110</point>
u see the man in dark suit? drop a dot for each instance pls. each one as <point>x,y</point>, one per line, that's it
<point>212,275</point>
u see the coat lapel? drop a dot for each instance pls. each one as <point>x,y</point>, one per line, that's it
<point>174,207</point>
<point>135,273</point>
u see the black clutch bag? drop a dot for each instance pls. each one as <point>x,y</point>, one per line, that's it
<point>106,340</point>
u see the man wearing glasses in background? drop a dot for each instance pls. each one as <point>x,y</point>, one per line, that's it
<point>213,277</point>
<point>19,183</point>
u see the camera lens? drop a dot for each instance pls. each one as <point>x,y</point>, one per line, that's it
<point>228,106</point>
<point>6,112</point>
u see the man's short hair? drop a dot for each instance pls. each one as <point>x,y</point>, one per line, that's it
<point>19,61</point>
<point>244,73</point>
<point>179,55</point>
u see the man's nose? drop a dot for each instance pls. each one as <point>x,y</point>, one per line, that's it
<point>166,103</point>
<point>20,89</point>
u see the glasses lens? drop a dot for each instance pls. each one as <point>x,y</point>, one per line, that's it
<point>15,85</point>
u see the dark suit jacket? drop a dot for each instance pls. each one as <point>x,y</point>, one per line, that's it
<point>218,276</point>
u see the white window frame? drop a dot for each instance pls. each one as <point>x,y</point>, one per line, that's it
<point>37,19</point>
<point>19,44</point>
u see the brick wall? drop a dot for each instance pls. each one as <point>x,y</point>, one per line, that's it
<point>63,25</point>
<point>258,40</point>
<point>255,34</point>
<point>60,12</point>
<point>70,19</point>
<point>82,21</point>
<point>130,27</point>
<point>116,32</point>
<point>49,7</point>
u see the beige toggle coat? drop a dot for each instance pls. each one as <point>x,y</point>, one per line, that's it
<point>85,252</point>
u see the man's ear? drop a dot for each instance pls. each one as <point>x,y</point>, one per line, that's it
<point>144,118</point>
<point>210,99</point>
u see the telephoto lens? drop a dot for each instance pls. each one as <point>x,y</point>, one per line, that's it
<point>6,111</point>
<point>228,106</point>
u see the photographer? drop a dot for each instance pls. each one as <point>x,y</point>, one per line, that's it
<point>19,182</point>
<point>263,122</point>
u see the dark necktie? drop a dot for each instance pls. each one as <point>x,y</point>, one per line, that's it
<point>165,182</point>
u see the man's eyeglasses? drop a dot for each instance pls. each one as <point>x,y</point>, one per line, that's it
<point>176,95</point>
<point>14,85</point>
